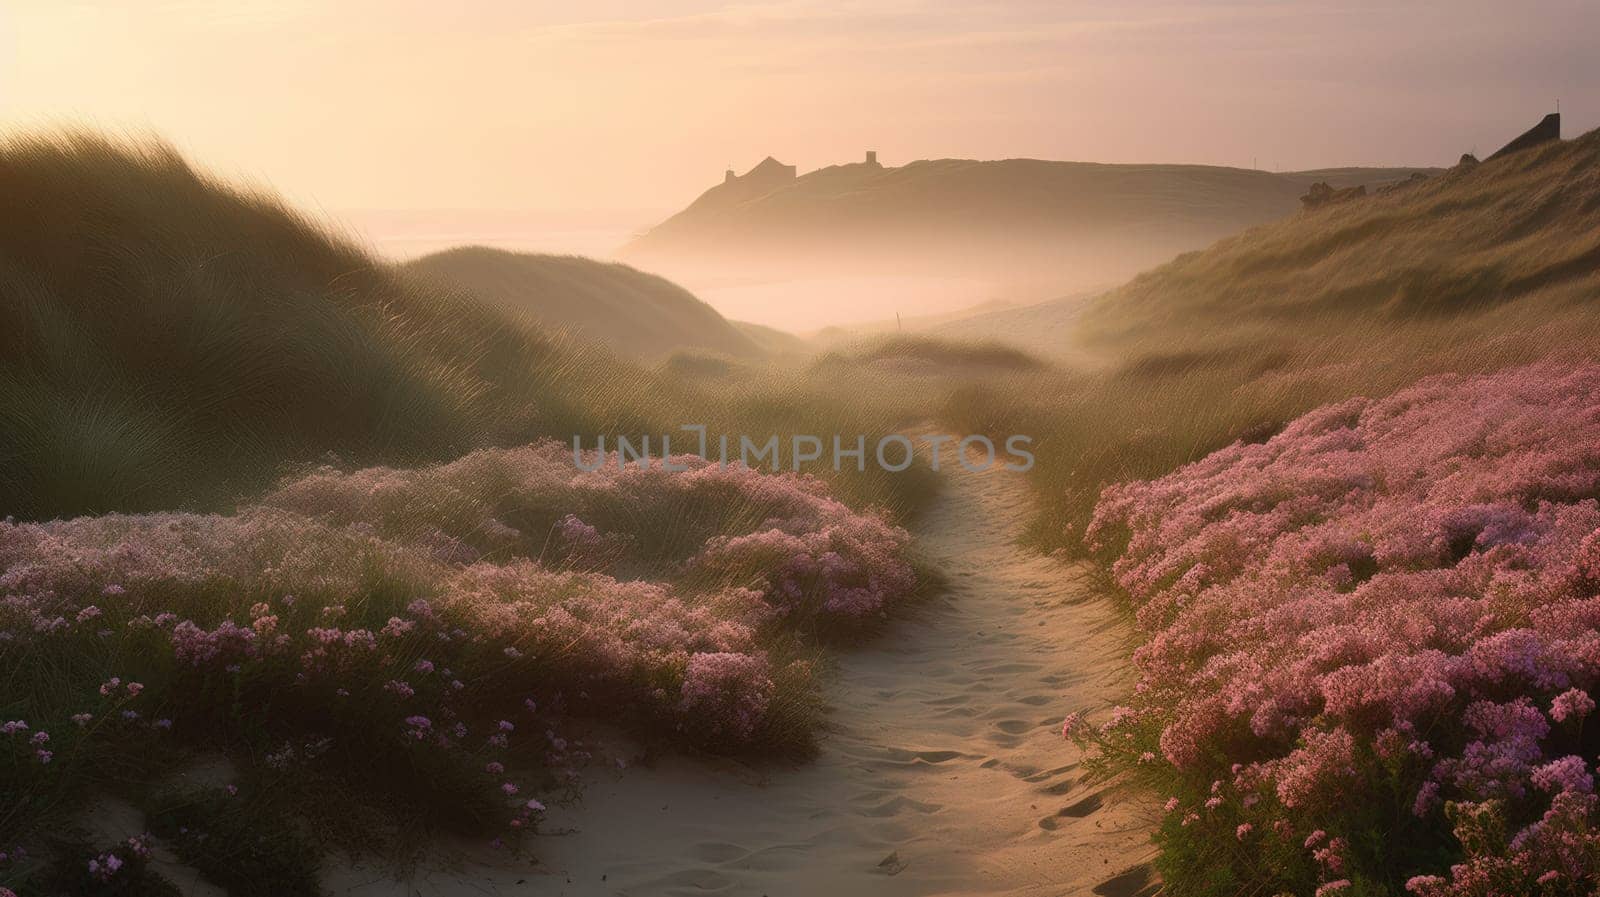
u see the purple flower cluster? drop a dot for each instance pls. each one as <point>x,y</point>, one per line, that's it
<point>1401,595</point>
<point>732,688</point>
<point>443,604</point>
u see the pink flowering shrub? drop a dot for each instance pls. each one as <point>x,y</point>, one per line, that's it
<point>426,637</point>
<point>1375,640</point>
<point>814,558</point>
<point>732,688</point>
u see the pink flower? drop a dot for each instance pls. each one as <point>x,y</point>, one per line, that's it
<point>1573,704</point>
<point>676,646</point>
<point>1070,724</point>
<point>728,691</point>
<point>1569,773</point>
<point>397,627</point>
<point>1427,799</point>
<point>1389,587</point>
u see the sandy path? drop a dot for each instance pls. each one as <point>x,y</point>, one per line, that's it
<point>942,771</point>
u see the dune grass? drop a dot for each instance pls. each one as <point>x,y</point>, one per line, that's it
<point>168,341</point>
<point>947,357</point>
<point>638,314</point>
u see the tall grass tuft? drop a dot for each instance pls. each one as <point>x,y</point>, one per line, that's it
<point>170,342</point>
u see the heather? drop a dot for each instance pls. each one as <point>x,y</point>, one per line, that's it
<point>1371,645</point>
<point>420,650</point>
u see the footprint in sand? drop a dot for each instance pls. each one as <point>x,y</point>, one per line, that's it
<point>1136,882</point>
<point>1072,811</point>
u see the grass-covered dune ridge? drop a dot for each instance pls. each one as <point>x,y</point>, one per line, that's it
<point>1478,236</point>
<point>170,341</point>
<point>165,340</point>
<point>637,314</point>
<point>414,641</point>
<point>1374,645</point>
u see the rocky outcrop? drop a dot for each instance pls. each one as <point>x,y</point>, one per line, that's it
<point>1416,178</point>
<point>1548,129</point>
<point>1322,194</point>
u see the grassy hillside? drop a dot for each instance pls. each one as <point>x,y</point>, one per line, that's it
<point>167,341</point>
<point>773,342</point>
<point>1046,328</point>
<point>170,342</point>
<point>636,314</point>
<point>1475,239</point>
<point>1074,224</point>
<point>1475,270</point>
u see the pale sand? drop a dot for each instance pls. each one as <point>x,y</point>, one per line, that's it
<point>942,772</point>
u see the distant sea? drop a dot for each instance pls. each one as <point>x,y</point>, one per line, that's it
<point>409,233</point>
<point>799,305</point>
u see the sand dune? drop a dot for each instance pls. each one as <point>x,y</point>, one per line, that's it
<point>637,314</point>
<point>1043,328</point>
<point>943,771</point>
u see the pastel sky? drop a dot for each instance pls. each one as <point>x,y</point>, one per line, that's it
<point>495,104</point>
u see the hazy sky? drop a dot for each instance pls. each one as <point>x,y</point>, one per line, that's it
<point>610,105</point>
